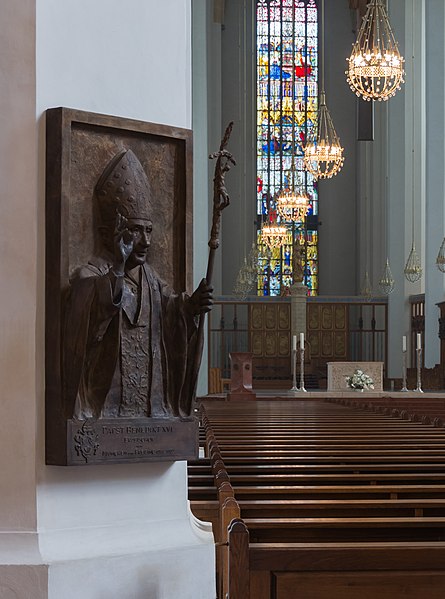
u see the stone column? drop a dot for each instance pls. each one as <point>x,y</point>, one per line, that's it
<point>404,131</point>
<point>113,531</point>
<point>434,86</point>
<point>22,573</point>
<point>298,293</point>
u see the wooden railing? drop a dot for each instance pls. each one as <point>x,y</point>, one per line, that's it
<point>338,329</point>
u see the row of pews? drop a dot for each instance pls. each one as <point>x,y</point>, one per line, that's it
<point>317,500</point>
<point>426,410</point>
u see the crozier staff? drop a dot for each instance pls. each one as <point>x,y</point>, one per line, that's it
<point>224,161</point>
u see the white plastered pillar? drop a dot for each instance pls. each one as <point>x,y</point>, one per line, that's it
<point>120,530</point>
<point>21,572</point>
<point>406,115</point>
<point>435,171</point>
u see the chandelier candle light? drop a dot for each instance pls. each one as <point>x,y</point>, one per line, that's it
<point>293,204</point>
<point>440,260</point>
<point>387,283</point>
<point>273,235</point>
<point>323,156</point>
<point>404,387</point>
<point>375,69</point>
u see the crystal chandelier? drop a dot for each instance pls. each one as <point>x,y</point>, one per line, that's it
<point>366,289</point>
<point>292,206</point>
<point>387,283</point>
<point>244,280</point>
<point>375,69</point>
<point>273,235</point>
<point>413,270</point>
<point>323,155</point>
<point>440,260</point>
<point>248,273</point>
<point>253,259</point>
<point>293,203</point>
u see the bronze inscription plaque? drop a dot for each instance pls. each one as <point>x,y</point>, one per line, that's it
<point>126,440</point>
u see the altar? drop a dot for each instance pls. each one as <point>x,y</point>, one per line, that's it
<point>338,371</point>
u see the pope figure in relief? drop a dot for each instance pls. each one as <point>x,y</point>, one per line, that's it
<point>129,339</point>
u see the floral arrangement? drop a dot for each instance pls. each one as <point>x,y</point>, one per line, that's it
<point>359,380</point>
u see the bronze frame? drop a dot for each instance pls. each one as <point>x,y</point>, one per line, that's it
<point>78,143</point>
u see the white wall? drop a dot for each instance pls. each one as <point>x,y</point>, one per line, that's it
<point>130,59</point>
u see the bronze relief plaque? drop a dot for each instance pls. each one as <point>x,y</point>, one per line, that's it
<point>120,325</point>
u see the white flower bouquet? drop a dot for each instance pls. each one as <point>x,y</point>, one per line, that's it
<point>359,380</point>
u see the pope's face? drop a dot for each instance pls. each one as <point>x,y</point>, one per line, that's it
<point>141,231</point>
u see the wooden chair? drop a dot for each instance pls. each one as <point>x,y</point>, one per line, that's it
<point>217,384</point>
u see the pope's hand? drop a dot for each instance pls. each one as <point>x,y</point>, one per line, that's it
<point>123,243</point>
<point>201,300</point>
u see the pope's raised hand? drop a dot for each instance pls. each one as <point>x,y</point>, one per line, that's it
<point>123,243</point>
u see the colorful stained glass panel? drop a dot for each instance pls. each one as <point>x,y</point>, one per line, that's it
<point>287,104</point>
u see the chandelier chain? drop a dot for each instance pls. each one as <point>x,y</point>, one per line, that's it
<point>322,47</point>
<point>412,127</point>
<point>323,154</point>
<point>387,282</point>
<point>292,202</point>
<point>413,269</point>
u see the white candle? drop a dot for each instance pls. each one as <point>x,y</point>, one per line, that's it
<point>301,340</point>
<point>404,343</point>
<point>419,340</point>
<point>294,342</point>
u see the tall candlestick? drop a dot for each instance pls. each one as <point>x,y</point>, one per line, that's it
<point>419,340</point>
<point>404,343</point>
<point>294,365</point>
<point>419,365</point>
<point>301,340</point>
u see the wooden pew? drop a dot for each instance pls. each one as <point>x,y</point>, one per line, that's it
<point>427,410</point>
<point>328,508</point>
<point>387,519</point>
<point>344,529</point>
<point>342,570</point>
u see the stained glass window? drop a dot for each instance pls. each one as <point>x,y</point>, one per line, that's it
<point>287,103</point>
